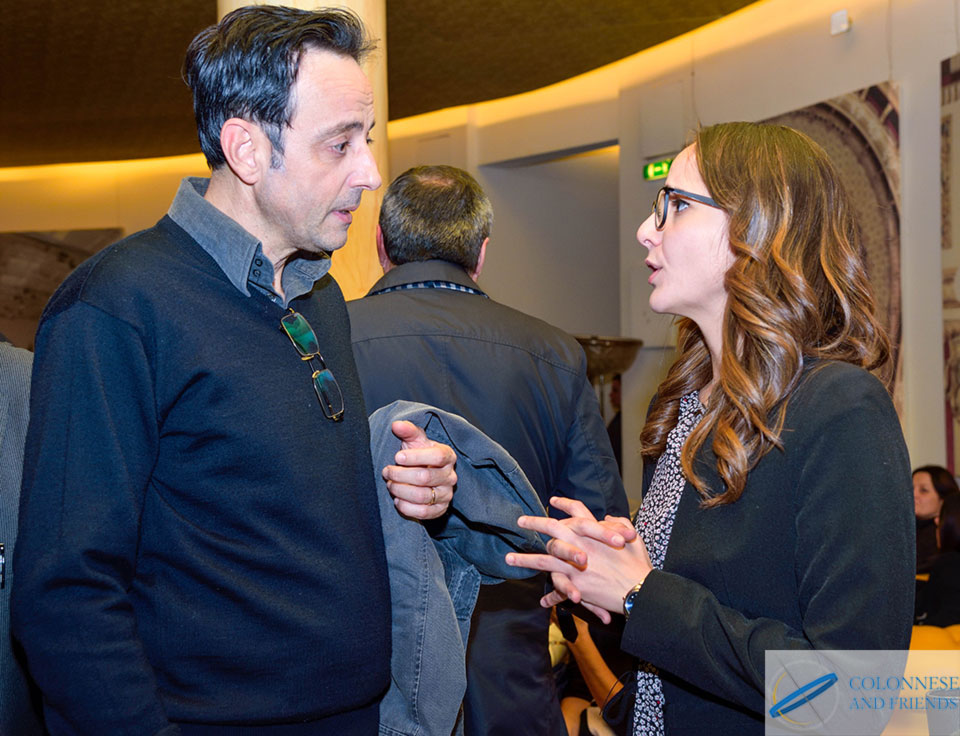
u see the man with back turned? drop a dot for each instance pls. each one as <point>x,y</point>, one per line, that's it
<point>426,332</point>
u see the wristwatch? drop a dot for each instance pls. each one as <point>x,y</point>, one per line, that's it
<point>631,598</point>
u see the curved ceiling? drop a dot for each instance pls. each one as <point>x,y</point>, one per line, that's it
<point>94,80</point>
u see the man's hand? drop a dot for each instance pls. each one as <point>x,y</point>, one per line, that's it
<point>423,480</point>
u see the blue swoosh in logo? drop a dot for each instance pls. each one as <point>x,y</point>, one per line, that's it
<point>803,695</point>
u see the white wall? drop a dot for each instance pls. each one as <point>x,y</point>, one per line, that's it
<point>766,59</point>
<point>130,195</point>
<point>555,246</point>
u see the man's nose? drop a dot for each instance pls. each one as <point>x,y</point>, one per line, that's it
<point>368,175</point>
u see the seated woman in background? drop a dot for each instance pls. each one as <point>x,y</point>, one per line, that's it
<point>939,602</point>
<point>590,679</point>
<point>773,459</point>
<point>931,485</point>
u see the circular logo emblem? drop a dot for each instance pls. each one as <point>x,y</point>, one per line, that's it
<point>805,698</point>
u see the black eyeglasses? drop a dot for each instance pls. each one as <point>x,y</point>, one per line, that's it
<point>662,200</point>
<point>304,339</point>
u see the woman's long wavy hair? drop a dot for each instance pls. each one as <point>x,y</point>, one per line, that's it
<point>797,290</point>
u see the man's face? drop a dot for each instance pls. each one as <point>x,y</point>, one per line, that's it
<point>307,202</point>
<point>615,393</point>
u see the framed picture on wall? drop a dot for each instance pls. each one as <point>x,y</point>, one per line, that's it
<point>950,251</point>
<point>860,132</point>
<point>32,266</point>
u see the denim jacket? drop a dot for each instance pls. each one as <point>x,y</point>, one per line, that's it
<point>436,567</point>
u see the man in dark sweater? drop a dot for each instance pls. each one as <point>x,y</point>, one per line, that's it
<point>200,548</point>
<point>426,332</point>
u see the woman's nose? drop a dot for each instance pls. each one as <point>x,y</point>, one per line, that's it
<point>647,234</point>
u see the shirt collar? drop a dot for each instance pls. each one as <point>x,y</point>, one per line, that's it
<point>238,253</point>
<point>434,270</point>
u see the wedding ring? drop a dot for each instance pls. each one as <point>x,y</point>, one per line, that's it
<point>433,498</point>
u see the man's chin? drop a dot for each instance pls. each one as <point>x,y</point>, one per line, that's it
<point>333,241</point>
<point>331,248</point>
<point>327,246</point>
<point>317,251</point>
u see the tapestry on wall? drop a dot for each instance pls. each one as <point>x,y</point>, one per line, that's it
<point>860,132</point>
<point>950,252</point>
<point>32,266</point>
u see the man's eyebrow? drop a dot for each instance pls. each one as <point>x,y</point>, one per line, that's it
<point>343,128</point>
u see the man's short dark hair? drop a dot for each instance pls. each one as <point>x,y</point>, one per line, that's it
<point>245,66</point>
<point>435,212</point>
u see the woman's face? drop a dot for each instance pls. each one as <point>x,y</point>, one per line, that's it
<point>691,255</point>
<point>926,501</point>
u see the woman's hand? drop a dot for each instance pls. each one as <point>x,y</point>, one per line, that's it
<point>591,562</point>
<point>614,531</point>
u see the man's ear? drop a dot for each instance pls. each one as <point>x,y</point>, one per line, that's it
<point>475,273</point>
<point>385,263</point>
<point>246,148</point>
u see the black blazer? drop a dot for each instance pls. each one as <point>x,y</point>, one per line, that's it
<point>939,599</point>
<point>817,553</point>
<point>926,544</point>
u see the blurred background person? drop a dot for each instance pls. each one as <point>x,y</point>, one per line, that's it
<point>615,426</point>
<point>931,485</point>
<point>592,676</point>
<point>19,699</point>
<point>938,602</point>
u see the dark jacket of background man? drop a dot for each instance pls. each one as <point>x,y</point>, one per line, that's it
<point>516,378</point>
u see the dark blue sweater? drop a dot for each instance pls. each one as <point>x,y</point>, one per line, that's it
<point>198,542</point>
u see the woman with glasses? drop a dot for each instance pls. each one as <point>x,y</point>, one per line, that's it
<point>776,495</point>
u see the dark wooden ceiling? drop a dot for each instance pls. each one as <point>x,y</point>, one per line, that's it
<point>99,80</point>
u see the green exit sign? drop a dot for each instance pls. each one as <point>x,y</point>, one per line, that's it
<point>657,169</point>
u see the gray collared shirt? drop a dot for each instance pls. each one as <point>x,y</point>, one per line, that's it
<point>238,253</point>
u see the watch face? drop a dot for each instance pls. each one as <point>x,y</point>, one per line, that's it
<point>629,601</point>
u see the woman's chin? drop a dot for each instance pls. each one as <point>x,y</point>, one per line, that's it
<point>658,307</point>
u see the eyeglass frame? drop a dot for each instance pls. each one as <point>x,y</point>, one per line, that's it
<point>329,410</point>
<point>666,192</point>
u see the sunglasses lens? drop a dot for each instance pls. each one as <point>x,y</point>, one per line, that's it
<point>331,400</point>
<point>301,333</point>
